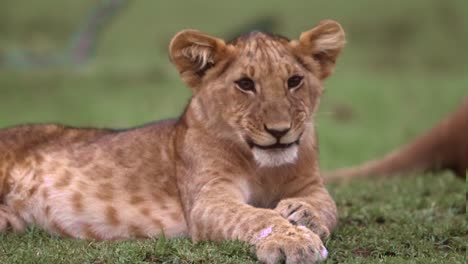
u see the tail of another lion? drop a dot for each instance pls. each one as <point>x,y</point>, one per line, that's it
<point>445,146</point>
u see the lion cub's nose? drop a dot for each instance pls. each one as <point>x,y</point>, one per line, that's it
<point>278,131</point>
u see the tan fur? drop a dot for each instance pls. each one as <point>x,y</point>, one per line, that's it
<point>444,147</point>
<point>205,175</point>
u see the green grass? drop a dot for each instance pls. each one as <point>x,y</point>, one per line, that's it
<point>404,68</point>
<point>414,219</point>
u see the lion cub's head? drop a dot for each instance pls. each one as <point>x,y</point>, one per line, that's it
<point>260,90</point>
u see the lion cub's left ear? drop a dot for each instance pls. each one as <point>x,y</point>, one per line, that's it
<point>193,53</point>
<point>324,43</point>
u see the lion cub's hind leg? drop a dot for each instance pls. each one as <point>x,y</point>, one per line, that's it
<point>9,219</point>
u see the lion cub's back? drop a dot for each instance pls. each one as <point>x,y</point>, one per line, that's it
<point>19,145</point>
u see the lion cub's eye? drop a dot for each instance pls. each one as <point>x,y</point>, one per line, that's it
<point>246,84</point>
<point>294,81</point>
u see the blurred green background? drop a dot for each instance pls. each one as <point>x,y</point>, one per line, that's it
<point>404,67</point>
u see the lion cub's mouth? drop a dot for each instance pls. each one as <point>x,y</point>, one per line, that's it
<point>277,145</point>
<point>274,155</point>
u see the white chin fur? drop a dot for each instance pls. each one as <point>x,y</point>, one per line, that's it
<point>275,157</point>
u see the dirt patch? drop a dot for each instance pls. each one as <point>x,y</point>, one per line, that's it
<point>362,252</point>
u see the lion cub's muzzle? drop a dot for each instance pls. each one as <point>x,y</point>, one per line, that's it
<point>278,137</point>
<point>275,146</point>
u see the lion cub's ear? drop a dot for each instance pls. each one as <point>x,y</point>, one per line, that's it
<point>193,53</point>
<point>324,43</point>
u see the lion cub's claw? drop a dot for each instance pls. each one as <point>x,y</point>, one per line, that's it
<point>291,245</point>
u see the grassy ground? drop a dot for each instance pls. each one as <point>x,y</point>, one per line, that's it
<point>415,219</point>
<point>403,69</point>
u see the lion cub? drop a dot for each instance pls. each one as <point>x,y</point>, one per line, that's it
<point>240,163</point>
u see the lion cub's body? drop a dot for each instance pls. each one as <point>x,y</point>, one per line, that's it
<point>105,184</point>
<point>240,163</point>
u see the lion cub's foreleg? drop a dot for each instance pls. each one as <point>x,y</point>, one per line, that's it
<point>219,212</point>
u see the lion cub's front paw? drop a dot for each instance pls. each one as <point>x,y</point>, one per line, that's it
<point>293,244</point>
<point>301,213</point>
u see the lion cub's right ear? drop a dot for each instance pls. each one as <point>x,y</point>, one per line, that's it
<point>193,53</point>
